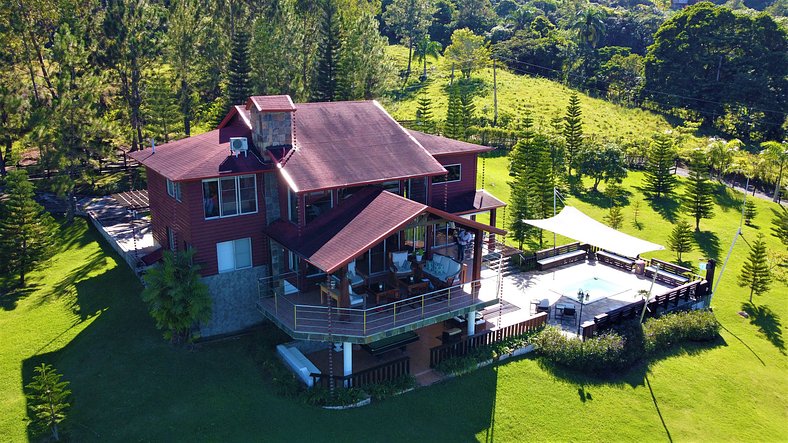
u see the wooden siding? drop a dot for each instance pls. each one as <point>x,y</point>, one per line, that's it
<point>466,184</point>
<point>205,234</point>
<point>167,212</point>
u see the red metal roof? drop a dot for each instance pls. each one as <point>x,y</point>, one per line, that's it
<point>474,201</point>
<point>356,225</point>
<point>437,145</point>
<point>351,143</point>
<point>202,156</point>
<point>242,112</point>
<point>272,103</point>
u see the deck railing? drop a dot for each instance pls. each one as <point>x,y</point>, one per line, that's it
<point>381,373</point>
<point>680,298</point>
<point>485,338</point>
<point>361,322</point>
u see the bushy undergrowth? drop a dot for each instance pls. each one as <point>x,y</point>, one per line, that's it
<point>465,363</point>
<point>320,396</point>
<point>390,388</point>
<point>626,345</point>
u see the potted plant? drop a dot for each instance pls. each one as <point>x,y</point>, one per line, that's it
<point>419,253</point>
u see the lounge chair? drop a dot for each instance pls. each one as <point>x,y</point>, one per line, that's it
<point>353,276</point>
<point>399,265</point>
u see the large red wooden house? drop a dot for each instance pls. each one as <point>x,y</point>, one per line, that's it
<point>294,207</point>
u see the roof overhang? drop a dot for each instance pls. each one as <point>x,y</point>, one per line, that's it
<point>358,224</point>
<point>572,223</point>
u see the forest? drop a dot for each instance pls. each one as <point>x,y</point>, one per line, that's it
<point>82,80</point>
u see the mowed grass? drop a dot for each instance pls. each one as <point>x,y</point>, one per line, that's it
<point>83,314</point>
<point>544,99</point>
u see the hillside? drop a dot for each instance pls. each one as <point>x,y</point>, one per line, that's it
<point>545,98</point>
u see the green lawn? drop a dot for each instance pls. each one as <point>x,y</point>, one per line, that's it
<point>83,314</point>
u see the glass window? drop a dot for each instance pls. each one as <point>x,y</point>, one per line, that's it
<point>171,239</point>
<point>229,196</point>
<point>391,186</point>
<point>234,254</point>
<point>210,194</point>
<point>454,174</point>
<point>316,203</point>
<point>417,190</point>
<point>247,190</point>
<point>415,237</point>
<point>292,206</point>
<point>174,189</point>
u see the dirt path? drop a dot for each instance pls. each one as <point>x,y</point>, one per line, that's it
<point>683,172</point>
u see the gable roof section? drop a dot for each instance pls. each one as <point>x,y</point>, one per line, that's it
<point>474,201</point>
<point>356,225</point>
<point>272,103</point>
<point>202,156</point>
<point>237,111</point>
<point>437,145</point>
<point>352,143</point>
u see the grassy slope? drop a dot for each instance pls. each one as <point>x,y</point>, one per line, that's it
<point>546,99</point>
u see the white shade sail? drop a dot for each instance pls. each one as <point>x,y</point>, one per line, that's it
<point>572,223</point>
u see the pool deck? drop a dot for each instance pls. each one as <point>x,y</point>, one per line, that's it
<point>521,288</point>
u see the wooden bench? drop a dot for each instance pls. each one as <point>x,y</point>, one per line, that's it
<point>616,260</point>
<point>562,255</point>
<point>668,273</point>
<point>391,343</point>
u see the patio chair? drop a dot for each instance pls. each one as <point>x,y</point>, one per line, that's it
<point>569,312</point>
<point>353,276</point>
<point>356,300</point>
<point>543,306</point>
<point>399,265</point>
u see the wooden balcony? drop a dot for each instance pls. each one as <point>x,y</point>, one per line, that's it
<point>304,315</point>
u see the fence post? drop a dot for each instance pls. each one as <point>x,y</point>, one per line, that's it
<point>395,313</point>
<point>365,322</point>
<point>295,317</point>
<point>422,306</point>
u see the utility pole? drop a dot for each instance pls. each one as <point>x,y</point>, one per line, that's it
<point>495,96</point>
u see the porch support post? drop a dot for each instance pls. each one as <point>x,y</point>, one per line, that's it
<point>493,220</point>
<point>347,364</point>
<point>471,321</point>
<point>477,255</point>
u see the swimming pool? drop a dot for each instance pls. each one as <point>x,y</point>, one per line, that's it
<point>595,288</point>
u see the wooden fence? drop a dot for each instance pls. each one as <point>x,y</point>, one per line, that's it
<point>384,372</point>
<point>679,298</point>
<point>486,338</point>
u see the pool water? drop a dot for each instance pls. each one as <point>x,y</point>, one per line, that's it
<point>595,287</point>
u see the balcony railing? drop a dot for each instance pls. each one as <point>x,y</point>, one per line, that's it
<point>322,319</point>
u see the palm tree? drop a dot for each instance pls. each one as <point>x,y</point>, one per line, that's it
<point>521,17</point>
<point>776,154</point>
<point>590,26</point>
<point>427,48</point>
<point>721,153</point>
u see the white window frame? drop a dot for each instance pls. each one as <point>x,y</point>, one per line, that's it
<point>171,242</point>
<point>174,189</point>
<point>237,195</point>
<point>459,175</point>
<point>233,244</point>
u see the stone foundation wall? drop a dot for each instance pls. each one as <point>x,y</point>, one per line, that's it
<point>234,297</point>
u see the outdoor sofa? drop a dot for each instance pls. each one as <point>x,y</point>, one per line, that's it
<point>442,270</point>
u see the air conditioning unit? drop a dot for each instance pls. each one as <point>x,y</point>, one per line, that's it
<point>238,145</point>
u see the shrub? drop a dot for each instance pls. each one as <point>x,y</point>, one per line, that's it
<point>461,364</point>
<point>668,330</point>
<point>320,396</point>
<point>599,354</point>
<point>381,391</point>
<point>48,399</point>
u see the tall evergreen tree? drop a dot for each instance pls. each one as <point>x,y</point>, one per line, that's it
<point>184,30</point>
<point>680,239</point>
<point>541,181</point>
<point>750,211</point>
<point>48,399</point>
<point>520,201</point>
<point>697,201</point>
<point>614,217</point>
<point>424,119</point>
<point>26,231</point>
<point>453,128</point>
<point>468,112</point>
<point>239,88</point>
<point>755,274</point>
<point>658,179</point>
<point>573,131</point>
<point>781,226</point>
<point>161,111</point>
<point>325,88</point>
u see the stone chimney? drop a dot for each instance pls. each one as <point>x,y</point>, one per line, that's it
<point>272,119</point>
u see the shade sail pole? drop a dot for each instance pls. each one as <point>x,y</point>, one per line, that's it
<point>554,192</point>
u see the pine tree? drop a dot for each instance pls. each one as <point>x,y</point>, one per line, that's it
<point>161,109</point>
<point>325,88</point>
<point>614,217</point>
<point>781,226</point>
<point>573,131</point>
<point>697,201</point>
<point>658,179</point>
<point>26,231</point>
<point>453,125</point>
<point>680,239</point>
<point>48,399</point>
<point>177,297</point>
<point>467,111</point>
<point>750,211</point>
<point>755,273</point>
<point>424,120</point>
<point>239,88</point>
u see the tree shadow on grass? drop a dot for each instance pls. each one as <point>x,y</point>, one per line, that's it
<point>768,323</point>
<point>709,243</point>
<point>726,198</point>
<point>667,207</point>
<point>11,295</point>
<point>600,200</point>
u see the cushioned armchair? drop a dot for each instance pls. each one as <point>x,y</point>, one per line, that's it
<point>353,276</point>
<point>442,271</point>
<point>399,264</point>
